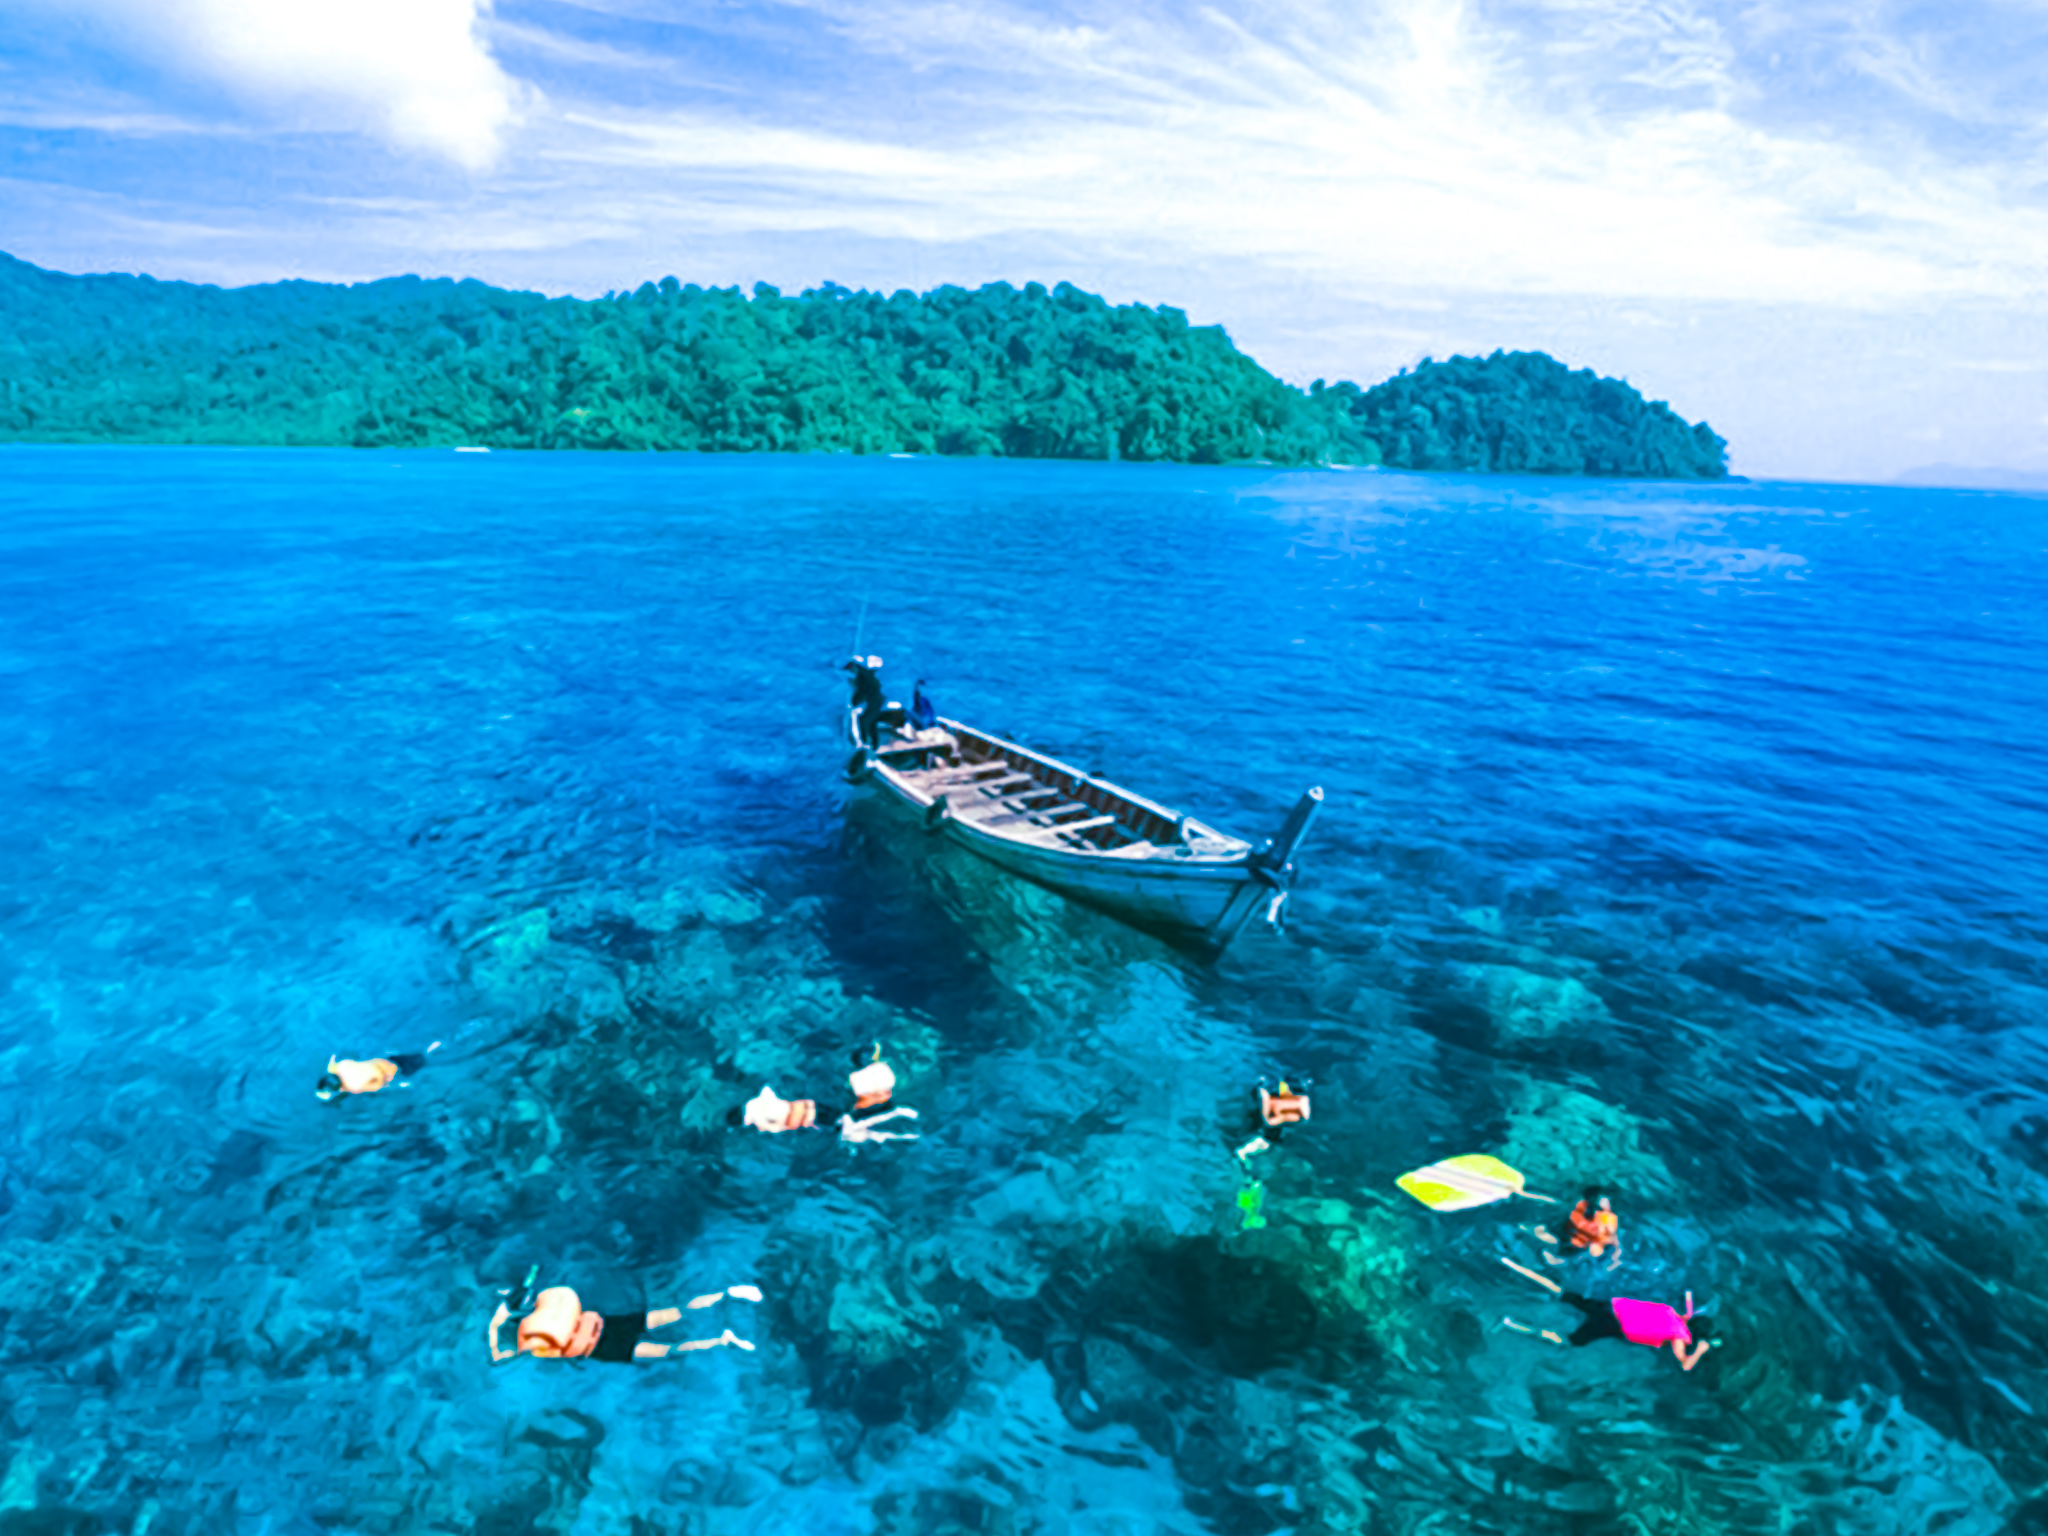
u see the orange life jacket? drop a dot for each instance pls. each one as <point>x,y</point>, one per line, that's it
<point>766,1112</point>
<point>1282,1108</point>
<point>558,1328</point>
<point>1593,1231</point>
<point>363,1076</point>
<point>873,1084</point>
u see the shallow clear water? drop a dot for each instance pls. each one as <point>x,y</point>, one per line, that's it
<point>1688,839</point>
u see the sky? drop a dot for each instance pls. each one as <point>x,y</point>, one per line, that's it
<point>1820,225</point>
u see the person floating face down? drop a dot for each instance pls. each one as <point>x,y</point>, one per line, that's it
<point>1592,1227</point>
<point>379,1072</point>
<point>1651,1323</point>
<point>559,1327</point>
<point>868,697</point>
<point>872,1084</point>
<point>1277,1110</point>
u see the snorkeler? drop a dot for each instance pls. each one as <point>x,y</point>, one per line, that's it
<point>1639,1322</point>
<point>1277,1111</point>
<point>768,1111</point>
<point>557,1327</point>
<point>369,1076</point>
<point>1594,1229</point>
<point>872,1084</point>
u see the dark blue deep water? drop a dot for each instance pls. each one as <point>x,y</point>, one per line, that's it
<point>1687,839</point>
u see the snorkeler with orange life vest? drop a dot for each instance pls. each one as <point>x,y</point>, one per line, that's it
<point>873,1083</point>
<point>555,1325</point>
<point>1277,1110</point>
<point>1594,1230</point>
<point>372,1076</point>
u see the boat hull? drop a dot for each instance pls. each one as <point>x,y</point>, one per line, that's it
<point>1114,850</point>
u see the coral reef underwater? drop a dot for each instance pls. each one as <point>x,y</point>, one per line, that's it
<point>295,784</point>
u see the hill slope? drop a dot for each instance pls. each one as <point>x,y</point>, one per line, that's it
<point>1027,373</point>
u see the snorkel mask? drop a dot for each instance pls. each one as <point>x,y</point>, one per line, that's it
<point>518,1298</point>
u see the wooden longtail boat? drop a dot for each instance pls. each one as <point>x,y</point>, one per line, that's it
<point>1083,836</point>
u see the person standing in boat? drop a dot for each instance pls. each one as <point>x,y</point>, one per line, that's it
<point>868,697</point>
<point>923,715</point>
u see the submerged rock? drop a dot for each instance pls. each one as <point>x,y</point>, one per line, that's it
<point>1562,1138</point>
<point>1525,1005</point>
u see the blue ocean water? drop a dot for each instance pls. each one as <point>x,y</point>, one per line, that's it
<point>1686,839</point>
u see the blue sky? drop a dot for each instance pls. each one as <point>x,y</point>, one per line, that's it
<point>1820,224</point>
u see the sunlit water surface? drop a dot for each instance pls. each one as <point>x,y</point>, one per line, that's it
<point>1687,839</point>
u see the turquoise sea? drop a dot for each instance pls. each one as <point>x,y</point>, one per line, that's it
<point>1691,839</point>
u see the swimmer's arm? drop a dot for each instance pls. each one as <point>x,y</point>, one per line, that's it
<point>498,1321</point>
<point>1685,1361</point>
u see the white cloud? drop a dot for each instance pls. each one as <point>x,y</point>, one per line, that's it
<point>416,73</point>
<point>1401,144</point>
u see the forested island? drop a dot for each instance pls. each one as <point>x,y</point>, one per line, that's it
<point>1023,373</point>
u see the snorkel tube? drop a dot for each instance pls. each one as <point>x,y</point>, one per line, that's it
<point>519,1298</point>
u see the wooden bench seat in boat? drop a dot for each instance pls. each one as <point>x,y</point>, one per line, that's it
<point>960,777</point>
<point>1045,813</point>
<point>1065,827</point>
<point>993,816</point>
<point>994,786</point>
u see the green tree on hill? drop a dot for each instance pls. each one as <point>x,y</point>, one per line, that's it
<point>1023,373</point>
<point>1526,413</point>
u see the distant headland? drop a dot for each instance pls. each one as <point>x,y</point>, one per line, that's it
<point>1020,373</point>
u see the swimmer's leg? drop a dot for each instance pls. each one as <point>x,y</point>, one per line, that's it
<point>1541,1333</point>
<point>1256,1144</point>
<point>739,1292</point>
<point>1543,1280</point>
<point>891,1115</point>
<point>646,1351</point>
<point>410,1062</point>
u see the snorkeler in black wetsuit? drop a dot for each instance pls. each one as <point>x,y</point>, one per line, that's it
<point>557,1326</point>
